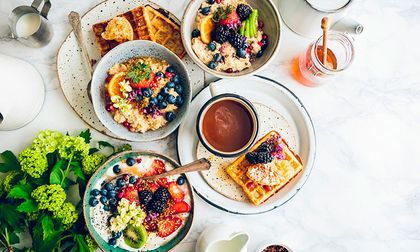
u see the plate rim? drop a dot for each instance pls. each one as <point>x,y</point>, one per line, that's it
<point>310,168</point>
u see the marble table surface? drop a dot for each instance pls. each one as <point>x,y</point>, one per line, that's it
<point>364,191</point>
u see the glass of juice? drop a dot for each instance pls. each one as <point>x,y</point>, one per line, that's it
<point>308,67</point>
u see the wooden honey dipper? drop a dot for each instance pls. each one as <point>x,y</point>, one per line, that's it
<point>325,25</point>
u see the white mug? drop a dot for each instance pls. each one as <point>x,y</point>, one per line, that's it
<point>304,16</point>
<point>222,238</point>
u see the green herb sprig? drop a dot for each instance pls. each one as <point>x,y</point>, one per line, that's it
<point>139,72</point>
<point>222,13</point>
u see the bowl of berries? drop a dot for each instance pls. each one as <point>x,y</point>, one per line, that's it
<point>141,91</point>
<point>125,212</point>
<point>231,38</point>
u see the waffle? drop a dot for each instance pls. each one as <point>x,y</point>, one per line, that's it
<point>257,193</point>
<point>147,24</point>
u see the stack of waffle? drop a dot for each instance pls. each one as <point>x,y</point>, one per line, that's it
<point>146,23</point>
<point>280,171</point>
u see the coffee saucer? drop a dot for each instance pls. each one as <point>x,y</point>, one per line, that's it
<point>295,124</point>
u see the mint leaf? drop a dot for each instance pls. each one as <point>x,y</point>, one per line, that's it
<point>103,144</point>
<point>28,206</point>
<point>21,191</point>
<point>86,135</point>
<point>56,173</point>
<point>47,226</point>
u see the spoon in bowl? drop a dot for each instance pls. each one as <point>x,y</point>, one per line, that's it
<point>198,165</point>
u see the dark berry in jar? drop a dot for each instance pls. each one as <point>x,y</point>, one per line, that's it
<point>162,105</point>
<point>212,65</point>
<point>160,74</point>
<point>217,57</point>
<point>171,99</point>
<point>132,180</point>
<point>170,69</point>
<point>93,201</point>
<point>120,182</point>
<point>179,89</point>
<point>175,79</point>
<point>241,53</point>
<point>95,192</point>
<point>147,92</point>
<point>205,11</point>
<point>130,161</point>
<point>104,192</point>
<point>103,199</point>
<point>170,116</point>
<point>195,33</point>
<point>116,169</point>
<point>260,53</point>
<point>153,101</point>
<point>179,101</point>
<point>180,180</point>
<point>110,108</point>
<point>212,46</point>
<point>211,1</point>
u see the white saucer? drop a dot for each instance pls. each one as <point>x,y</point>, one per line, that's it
<point>279,98</point>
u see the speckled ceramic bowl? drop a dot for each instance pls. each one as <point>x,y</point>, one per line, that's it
<point>121,53</point>
<point>267,13</point>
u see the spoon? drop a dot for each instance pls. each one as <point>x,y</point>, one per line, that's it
<point>325,25</point>
<point>74,19</point>
<point>198,165</point>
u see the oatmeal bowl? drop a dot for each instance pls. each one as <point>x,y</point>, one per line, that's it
<point>231,38</point>
<point>141,91</point>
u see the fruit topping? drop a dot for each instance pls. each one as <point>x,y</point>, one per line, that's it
<point>181,180</point>
<point>130,193</point>
<point>220,34</point>
<point>180,207</point>
<point>212,46</point>
<point>114,88</point>
<point>156,206</point>
<point>243,11</point>
<point>212,65</point>
<point>158,166</point>
<point>205,11</point>
<point>210,1</point>
<point>116,169</point>
<point>241,53</point>
<point>227,16</point>
<point>93,201</point>
<point>135,236</point>
<point>130,161</point>
<point>161,194</point>
<point>206,26</point>
<point>176,192</point>
<point>262,155</point>
<point>145,196</point>
<point>217,57</point>
<point>238,41</point>
<point>169,116</point>
<point>168,225</point>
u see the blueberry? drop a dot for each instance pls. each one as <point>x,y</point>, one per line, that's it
<point>160,74</point>
<point>212,46</point>
<point>104,192</point>
<point>103,199</point>
<point>175,79</point>
<point>116,168</point>
<point>159,97</point>
<point>205,11</point>
<point>112,194</point>
<point>241,53</point>
<point>106,208</point>
<point>120,182</point>
<point>170,69</point>
<point>179,101</point>
<point>171,99</point>
<point>179,89</point>
<point>195,33</point>
<point>140,97</point>
<point>95,192</point>
<point>112,241</point>
<point>217,57</point>
<point>93,201</point>
<point>170,116</point>
<point>265,43</point>
<point>153,101</point>
<point>163,104</point>
<point>147,92</point>
<point>170,84</point>
<point>180,180</point>
<point>164,91</point>
<point>132,180</point>
<point>211,1</point>
<point>212,65</point>
<point>113,201</point>
<point>109,186</point>
<point>116,235</point>
<point>260,53</point>
<point>130,161</point>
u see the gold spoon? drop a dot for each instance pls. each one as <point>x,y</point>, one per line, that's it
<point>198,165</point>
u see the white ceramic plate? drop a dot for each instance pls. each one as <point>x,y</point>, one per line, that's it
<point>279,98</point>
<point>74,77</point>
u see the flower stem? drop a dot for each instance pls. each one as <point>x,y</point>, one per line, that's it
<point>66,172</point>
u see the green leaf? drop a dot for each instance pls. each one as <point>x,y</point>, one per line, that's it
<point>67,183</point>
<point>21,191</point>
<point>56,173</point>
<point>47,226</point>
<point>28,206</point>
<point>81,242</point>
<point>86,135</point>
<point>103,144</point>
<point>13,238</point>
<point>78,171</point>
<point>9,158</point>
<point>9,215</point>
<point>93,150</point>
<point>50,243</point>
<point>124,147</point>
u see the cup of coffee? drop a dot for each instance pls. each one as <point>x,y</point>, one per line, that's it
<point>227,125</point>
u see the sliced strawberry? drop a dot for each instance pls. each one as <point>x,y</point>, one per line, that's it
<point>145,83</point>
<point>168,225</point>
<point>250,185</point>
<point>232,20</point>
<point>176,192</point>
<point>159,166</point>
<point>162,182</point>
<point>267,187</point>
<point>153,187</point>
<point>131,194</point>
<point>180,207</point>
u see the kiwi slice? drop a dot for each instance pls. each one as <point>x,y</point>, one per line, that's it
<point>135,236</point>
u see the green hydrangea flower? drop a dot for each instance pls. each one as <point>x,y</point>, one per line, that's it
<point>73,146</point>
<point>92,245</point>
<point>91,163</point>
<point>10,180</point>
<point>33,162</point>
<point>49,197</point>
<point>66,214</point>
<point>32,216</point>
<point>47,141</point>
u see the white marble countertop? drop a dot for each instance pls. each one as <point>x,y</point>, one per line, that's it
<point>364,191</point>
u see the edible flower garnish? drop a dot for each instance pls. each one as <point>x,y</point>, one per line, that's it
<point>127,214</point>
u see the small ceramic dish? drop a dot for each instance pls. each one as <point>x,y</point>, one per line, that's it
<point>267,13</point>
<point>272,246</point>
<point>120,54</point>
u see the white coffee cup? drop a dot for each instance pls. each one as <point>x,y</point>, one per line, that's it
<point>304,16</point>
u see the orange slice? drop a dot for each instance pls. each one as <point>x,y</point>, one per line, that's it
<point>114,88</point>
<point>206,26</point>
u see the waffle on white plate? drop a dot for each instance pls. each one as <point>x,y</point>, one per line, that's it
<point>262,175</point>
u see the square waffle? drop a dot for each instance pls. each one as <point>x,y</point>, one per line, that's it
<point>288,168</point>
<point>147,24</point>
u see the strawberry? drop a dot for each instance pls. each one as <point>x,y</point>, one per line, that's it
<point>131,194</point>
<point>180,207</point>
<point>145,83</point>
<point>150,226</point>
<point>162,182</point>
<point>176,192</point>
<point>159,166</point>
<point>168,225</point>
<point>231,21</point>
<point>153,187</point>
<point>250,185</point>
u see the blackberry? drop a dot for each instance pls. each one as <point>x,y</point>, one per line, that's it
<point>243,11</point>
<point>237,40</point>
<point>251,157</point>
<point>221,34</point>
<point>145,196</point>
<point>161,194</point>
<point>156,206</point>
<point>264,157</point>
<point>265,147</point>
